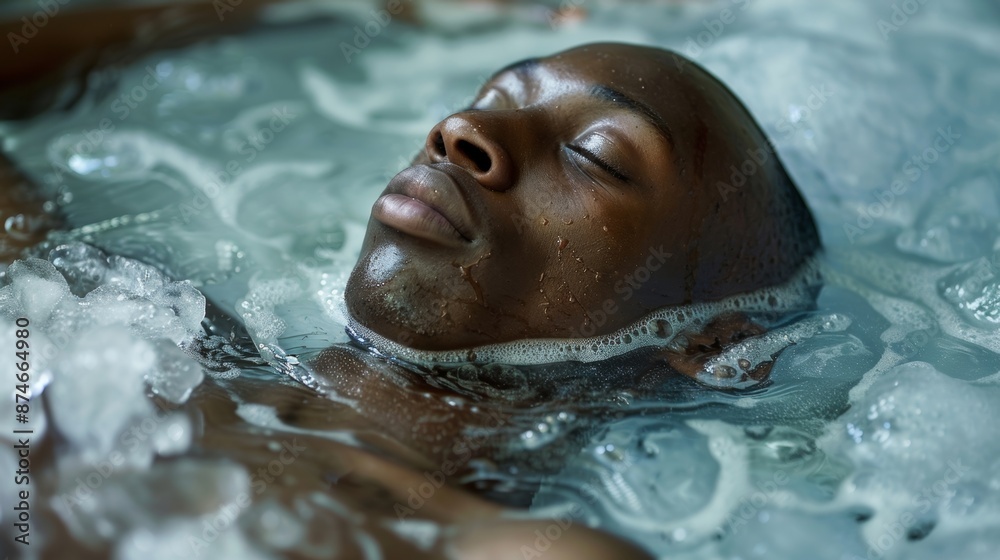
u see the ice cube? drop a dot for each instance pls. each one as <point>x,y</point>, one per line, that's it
<point>184,539</point>
<point>974,289</point>
<point>175,374</point>
<point>33,289</point>
<point>99,507</point>
<point>84,267</point>
<point>99,387</point>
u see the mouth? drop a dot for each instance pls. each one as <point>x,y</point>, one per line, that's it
<point>427,202</point>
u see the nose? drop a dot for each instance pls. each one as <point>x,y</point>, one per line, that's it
<point>472,143</point>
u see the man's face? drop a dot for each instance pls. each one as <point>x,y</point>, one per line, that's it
<point>563,203</point>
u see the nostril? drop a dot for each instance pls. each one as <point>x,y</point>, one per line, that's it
<point>438,142</point>
<point>478,156</point>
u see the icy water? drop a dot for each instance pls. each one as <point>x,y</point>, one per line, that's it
<point>243,172</point>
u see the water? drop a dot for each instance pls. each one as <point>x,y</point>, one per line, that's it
<point>243,172</point>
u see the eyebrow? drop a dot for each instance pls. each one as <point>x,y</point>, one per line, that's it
<point>522,68</point>
<point>616,97</point>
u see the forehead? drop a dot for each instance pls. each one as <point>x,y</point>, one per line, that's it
<point>623,62</point>
<point>655,77</point>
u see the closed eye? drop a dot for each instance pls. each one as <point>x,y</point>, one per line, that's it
<point>594,159</point>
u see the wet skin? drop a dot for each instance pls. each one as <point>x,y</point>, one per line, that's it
<point>538,211</point>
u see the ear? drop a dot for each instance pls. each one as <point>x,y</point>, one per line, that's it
<point>697,348</point>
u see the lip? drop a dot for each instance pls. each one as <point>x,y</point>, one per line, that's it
<point>426,201</point>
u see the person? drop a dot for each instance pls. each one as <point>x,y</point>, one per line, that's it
<point>521,218</point>
<point>525,213</point>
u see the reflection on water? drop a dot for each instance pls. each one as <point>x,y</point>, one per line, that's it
<point>246,176</point>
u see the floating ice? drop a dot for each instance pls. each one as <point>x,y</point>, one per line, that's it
<point>105,505</point>
<point>176,374</point>
<point>127,292</point>
<point>34,288</point>
<point>40,354</point>
<point>99,387</point>
<point>179,539</point>
<point>102,329</point>
<point>974,289</point>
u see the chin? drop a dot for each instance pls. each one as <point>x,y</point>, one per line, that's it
<point>399,304</point>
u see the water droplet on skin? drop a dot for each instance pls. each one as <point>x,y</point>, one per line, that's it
<point>568,222</point>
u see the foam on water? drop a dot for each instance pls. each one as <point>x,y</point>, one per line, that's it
<point>658,328</point>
